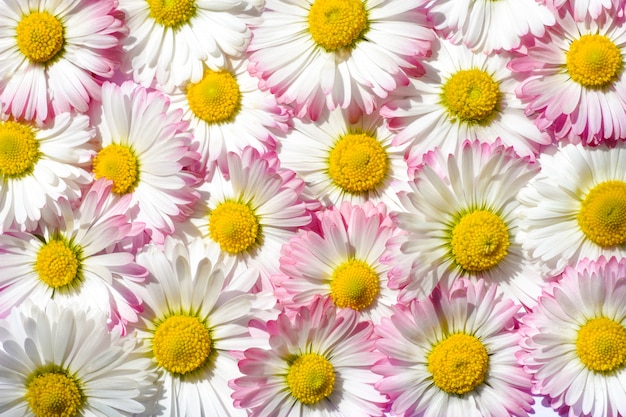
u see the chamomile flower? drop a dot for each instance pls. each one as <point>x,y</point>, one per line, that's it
<point>74,259</point>
<point>330,53</point>
<point>461,219</point>
<point>454,355</point>
<point>62,361</point>
<point>576,207</point>
<point>145,151</point>
<point>573,79</point>
<point>575,340</point>
<point>318,364</point>
<point>463,95</point>
<point>54,54</point>
<point>346,156</point>
<point>39,166</point>
<point>170,42</point>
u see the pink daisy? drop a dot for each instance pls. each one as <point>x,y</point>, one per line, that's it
<point>583,9</point>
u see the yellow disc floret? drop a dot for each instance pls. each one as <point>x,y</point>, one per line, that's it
<point>58,263</point>
<point>181,344</point>
<point>119,164</point>
<point>480,240</point>
<point>40,37</point>
<point>311,378</point>
<point>19,150</point>
<point>458,364</point>
<point>172,13</point>
<point>358,163</point>
<point>602,215</point>
<point>234,226</point>
<point>216,98</point>
<point>337,24</point>
<point>601,344</point>
<point>471,96</point>
<point>54,394</point>
<point>354,284</point>
<point>593,61</point>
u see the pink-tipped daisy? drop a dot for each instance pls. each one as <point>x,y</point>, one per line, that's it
<point>344,261</point>
<point>54,54</point>
<point>573,79</point>
<point>584,9</point>
<point>74,259</point>
<point>319,364</point>
<point>463,95</point>
<point>454,355</point>
<point>575,340</point>
<point>330,53</point>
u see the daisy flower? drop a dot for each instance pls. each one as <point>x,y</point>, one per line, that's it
<point>170,42</point>
<point>346,157</point>
<point>343,262</point>
<point>462,95</point>
<point>228,112</point>
<point>39,166</point>
<point>318,364</point>
<point>146,160</point>
<point>583,9</point>
<point>573,79</point>
<point>192,319</point>
<point>74,259</point>
<point>454,355</point>
<point>61,361</point>
<point>54,54</point>
<point>490,26</point>
<point>461,219</point>
<point>576,207</point>
<point>575,340</point>
<point>317,53</point>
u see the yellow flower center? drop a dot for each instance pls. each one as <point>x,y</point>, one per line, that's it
<point>181,344</point>
<point>19,150</point>
<point>358,163</point>
<point>58,263</point>
<point>40,37</point>
<point>602,215</point>
<point>354,284</point>
<point>593,61</point>
<point>480,240</point>
<point>459,364</point>
<point>119,164</point>
<point>601,344</point>
<point>54,394</point>
<point>471,96</point>
<point>336,24</point>
<point>172,13</point>
<point>234,226</point>
<point>311,378</point>
<point>216,98</point>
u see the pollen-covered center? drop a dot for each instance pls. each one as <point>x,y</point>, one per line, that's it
<point>458,364</point>
<point>40,36</point>
<point>471,96</point>
<point>358,163</point>
<point>480,241</point>
<point>234,226</point>
<point>172,13</point>
<point>19,150</point>
<point>54,394</point>
<point>311,378</point>
<point>593,61</point>
<point>119,164</point>
<point>58,263</point>
<point>336,24</point>
<point>181,344</point>
<point>602,215</point>
<point>601,344</point>
<point>354,284</point>
<point>216,98</point>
